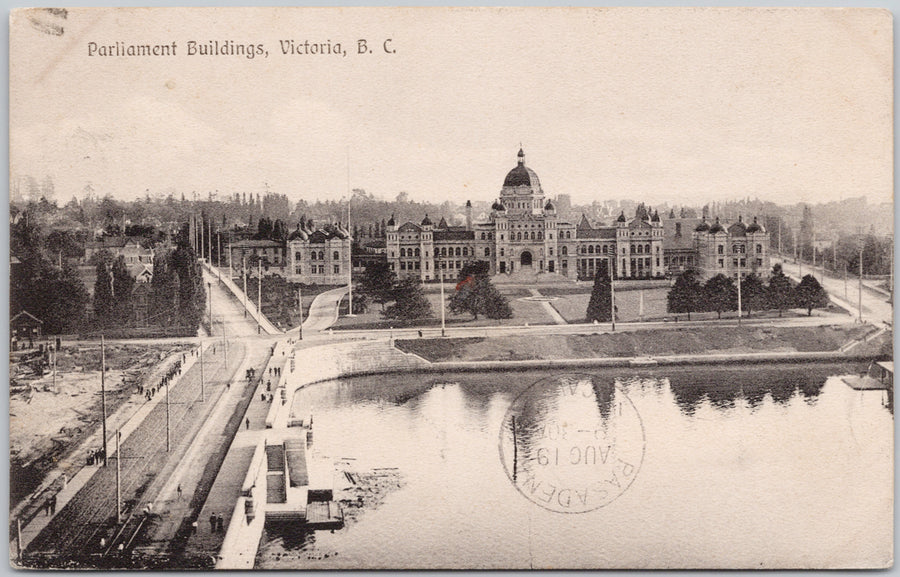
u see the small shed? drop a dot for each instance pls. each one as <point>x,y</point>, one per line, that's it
<point>25,327</point>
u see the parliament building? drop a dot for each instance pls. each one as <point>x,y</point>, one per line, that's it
<point>523,234</point>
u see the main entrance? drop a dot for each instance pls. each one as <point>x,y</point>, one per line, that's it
<point>526,259</point>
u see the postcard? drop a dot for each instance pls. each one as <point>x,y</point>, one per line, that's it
<point>451,288</point>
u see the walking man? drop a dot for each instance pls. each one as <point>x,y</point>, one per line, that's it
<point>212,523</point>
<point>248,423</point>
<point>179,492</point>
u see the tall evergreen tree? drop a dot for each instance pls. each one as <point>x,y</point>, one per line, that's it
<point>476,294</point>
<point>378,282</point>
<point>753,294</point>
<point>780,293</point>
<point>409,302</point>
<point>600,306</point>
<point>720,294</point>
<point>810,294</point>
<point>122,288</point>
<point>191,292</point>
<point>104,303</point>
<point>686,295</point>
<point>163,305</point>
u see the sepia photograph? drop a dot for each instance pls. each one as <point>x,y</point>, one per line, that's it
<point>451,288</point>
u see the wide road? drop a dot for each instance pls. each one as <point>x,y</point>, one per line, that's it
<point>76,531</point>
<point>875,306</point>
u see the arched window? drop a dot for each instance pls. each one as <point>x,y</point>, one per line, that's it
<point>336,255</point>
<point>312,255</point>
<point>490,236</point>
<point>583,250</point>
<point>540,235</point>
<point>402,252</point>
<point>640,249</point>
<point>565,250</point>
<point>518,236</point>
<point>487,252</point>
<point>647,248</point>
<point>502,252</point>
<point>465,251</point>
<point>418,253</point>
<point>482,236</point>
<point>759,249</point>
<point>721,249</point>
<point>591,249</point>
<point>568,235</point>
<point>443,251</point>
<point>458,251</point>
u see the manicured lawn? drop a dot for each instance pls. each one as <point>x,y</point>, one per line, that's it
<point>675,341</point>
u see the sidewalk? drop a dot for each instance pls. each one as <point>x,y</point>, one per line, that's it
<point>226,489</point>
<point>240,297</point>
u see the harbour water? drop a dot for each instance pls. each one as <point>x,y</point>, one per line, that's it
<point>742,467</point>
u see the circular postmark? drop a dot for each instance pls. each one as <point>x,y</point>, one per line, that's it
<point>572,443</point>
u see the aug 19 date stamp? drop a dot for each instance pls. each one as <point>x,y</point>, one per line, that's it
<point>572,443</point>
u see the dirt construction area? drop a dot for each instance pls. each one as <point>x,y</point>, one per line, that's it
<point>51,416</point>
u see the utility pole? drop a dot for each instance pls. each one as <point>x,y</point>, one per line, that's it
<point>739,290</point>
<point>259,297</point>
<point>350,244</point>
<point>168,440</point>
<point>209,243</point>
<point>244,271</point>
<point>119,471</point>
<point>860,277</point>
<point>209,297</point>
<point>219,251</point>
<point>200,360</point>
<point>103,394</point>
<point>230,271</point>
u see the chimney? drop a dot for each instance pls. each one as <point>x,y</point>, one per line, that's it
<point>468,215</point>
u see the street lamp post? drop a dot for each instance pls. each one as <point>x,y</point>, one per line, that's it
<point>443,326</point>
<point>103,394</point>
<point>612,294</point>
<point>300,308</point>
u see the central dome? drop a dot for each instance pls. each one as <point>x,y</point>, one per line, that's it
<point>521,175</point>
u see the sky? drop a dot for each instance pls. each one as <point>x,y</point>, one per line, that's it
<point>678,106</point>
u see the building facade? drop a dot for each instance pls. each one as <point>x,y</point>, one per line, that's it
<point>524,234</point>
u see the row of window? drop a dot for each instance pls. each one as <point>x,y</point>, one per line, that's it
<point>317,269</point>
<point>739,262</point>
<point>739,249</point>
<point>314,255</point>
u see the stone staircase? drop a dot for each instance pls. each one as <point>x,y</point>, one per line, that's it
<point>530,277</point>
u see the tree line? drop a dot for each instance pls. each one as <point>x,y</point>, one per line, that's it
<point>720,294</point>
<point>53,290</point>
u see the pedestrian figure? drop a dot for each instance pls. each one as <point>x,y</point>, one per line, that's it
<point>53,505</point>
<point>179,492</point>
<point>262,397</point>
<point>47,508</point>
<point>212,523</point>
<point>194,528</point>
<point>220,524</point>
<point>103,542</point>
<point>268,386</point>
<point>248,423</point>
